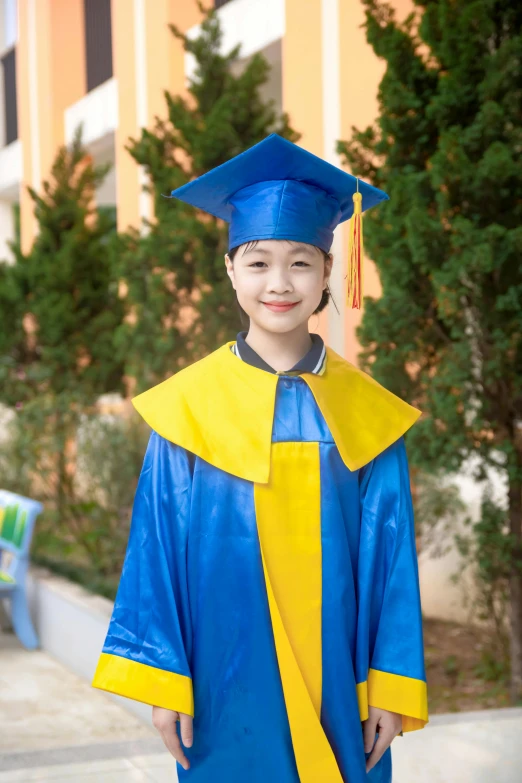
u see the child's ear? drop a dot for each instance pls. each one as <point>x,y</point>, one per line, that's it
<point>328,269</point>
<point>230,269</point>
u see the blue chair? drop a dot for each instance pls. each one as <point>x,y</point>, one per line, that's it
<point>17,518</point>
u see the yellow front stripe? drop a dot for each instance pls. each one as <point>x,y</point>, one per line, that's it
<point>288,513</point>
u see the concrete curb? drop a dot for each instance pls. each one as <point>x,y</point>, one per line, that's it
<point>77,754</point>
<point>475,716</point>
<point>71,624</point>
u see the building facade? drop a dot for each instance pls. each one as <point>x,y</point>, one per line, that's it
<point>106,63</point>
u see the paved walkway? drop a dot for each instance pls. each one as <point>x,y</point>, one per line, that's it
<point>54,727</point>
<point>466,747</point>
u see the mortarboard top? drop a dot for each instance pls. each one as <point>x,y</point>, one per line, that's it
<point>278,190</point>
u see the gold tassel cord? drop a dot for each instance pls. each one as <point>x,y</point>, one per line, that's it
<point>355,257</point>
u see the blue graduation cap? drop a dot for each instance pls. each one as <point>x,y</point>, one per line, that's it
<point>278,190</point>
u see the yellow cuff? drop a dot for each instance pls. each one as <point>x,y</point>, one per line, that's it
<point>396,693</point>
<point>144,683</point>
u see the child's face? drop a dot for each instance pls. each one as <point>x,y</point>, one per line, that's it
<point>277,270</point>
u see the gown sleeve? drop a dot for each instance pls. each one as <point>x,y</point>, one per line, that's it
<point>147,651</point>
<point>392,655</point>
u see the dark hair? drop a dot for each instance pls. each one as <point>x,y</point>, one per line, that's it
<point>325,298</point>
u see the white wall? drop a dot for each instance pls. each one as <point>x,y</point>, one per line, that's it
<point>103,151</point>
<point>8,38</point>
<point>255,24</point>
<point>8,24</point>
<point>11,169</point>
<point>6,230</point>
<point>97,110</point>
<point>71,624</point>
<point>441,597</point>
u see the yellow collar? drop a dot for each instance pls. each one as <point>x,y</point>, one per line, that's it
<point>222,409</point>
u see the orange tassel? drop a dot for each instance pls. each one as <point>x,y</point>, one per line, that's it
<point>355,257</point>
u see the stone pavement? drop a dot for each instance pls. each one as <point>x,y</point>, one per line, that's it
<point>55,728</point>
<point>465,747</point>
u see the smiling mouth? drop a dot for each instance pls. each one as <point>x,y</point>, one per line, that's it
<point>280,306</point>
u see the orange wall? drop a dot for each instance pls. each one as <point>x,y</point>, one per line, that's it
<point>302,72</point>
<point>61,80</point>
<point>164,69</point>
<point>60,74</point>
<point>67,60</point>
<point>57,80</point>
<point>303,88</point>
<point>159,55</point>
<point>37,103</point>
<point>184,15</point>
<point>123,58</point>
<point>27,226</point>
<point>361,73</point>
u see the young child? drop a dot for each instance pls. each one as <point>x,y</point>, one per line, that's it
<point>269,600</point>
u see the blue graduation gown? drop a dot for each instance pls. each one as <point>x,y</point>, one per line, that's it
<point>273,602</point>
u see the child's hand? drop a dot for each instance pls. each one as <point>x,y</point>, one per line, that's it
<point>165,722</point>
<point>389,723</point>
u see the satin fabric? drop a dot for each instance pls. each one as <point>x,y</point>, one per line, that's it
<point>284,209</point>
<point>222,409</point>
<point>278,190</point>
<point>192,599</point>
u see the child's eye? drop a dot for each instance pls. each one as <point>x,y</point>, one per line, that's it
<point>262,262</point>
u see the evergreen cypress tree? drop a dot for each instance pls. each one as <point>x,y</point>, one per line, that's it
<point>446,332</point>
<point>175,274</point>
<point>59,303</point>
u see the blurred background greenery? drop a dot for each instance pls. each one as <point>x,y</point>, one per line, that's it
<point>93,314</point>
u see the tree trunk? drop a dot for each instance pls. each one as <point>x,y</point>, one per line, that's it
<point>515,524</point>
<point>61,476</point>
